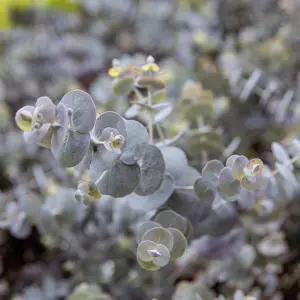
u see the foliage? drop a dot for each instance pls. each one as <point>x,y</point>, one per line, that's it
<point>143,178</point>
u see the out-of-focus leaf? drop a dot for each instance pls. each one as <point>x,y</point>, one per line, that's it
<point>142,249</point>
<point>150,266</point>
<point>150,82</point>
<point>164,257</point>
<point>218,222</point>
<point>170,219</point>
<point>35,135</point>
<point>192,291</point>
<point>44,111</point>
<point>163,113</point>
<point>24,116</point>
<point>229,188</point>
<point>219,247</point>
<point>159,96</point>
<point>177,166</point>
<point>123,86</point>
<point>238,167</point>
<point>280,153</point>
<point>211,172</point>
<point>46,140</point>
<point>144,228</point>
<point>159,235</point>
<point>203,192</point>
<point>170,141</point>
<point>179,243</point>
<point>273,245</point>
<point>86,291</point>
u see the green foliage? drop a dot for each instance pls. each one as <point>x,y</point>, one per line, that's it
<point>157,245</point>
<point>86,291</point>
<point>166,172</point>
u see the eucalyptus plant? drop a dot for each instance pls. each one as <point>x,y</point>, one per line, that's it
<point>124,160</point>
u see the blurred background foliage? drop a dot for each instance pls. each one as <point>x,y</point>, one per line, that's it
<point>232,75</point>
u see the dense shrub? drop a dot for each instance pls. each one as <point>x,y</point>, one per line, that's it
<point>139,178</point>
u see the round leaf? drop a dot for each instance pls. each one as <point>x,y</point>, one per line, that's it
<point>230,160</point>
<point>179,243</point>
<point>58,137</point>
<point>35,135</point>
<point>85,163</point>
<point>177,166</point>
<point>175,160</point>
<point>150,82</point>
<point>101,160</point>
<point>159,235</point>
<point>72,151</point>
<point>152,166</point>
<point>211,172</point>
<point>238,166</point>
<point>203,192</point>
<point>150,266</point>
<point>44,110</point>
<point>120,180</point>
<point>170,219</point>
<point>229,188</point>
<point>24,116</point>
<point>112,120</point>
<point>254,183</point>
<point>156,200</point>
<point>142,249</point>
<point>122,86</point>
<point>45,141</point>
<point>83,108</point>
<point>144,228</point>
<point>136,142</point>
<point>164,257</point>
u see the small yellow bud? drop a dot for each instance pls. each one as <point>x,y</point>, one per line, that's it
<point>117,142</point>
<point>114,71</point>
<point>151,67</point>
<point>255,167</point>
<point>24,119</point>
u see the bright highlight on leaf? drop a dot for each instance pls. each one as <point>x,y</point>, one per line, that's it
<point>254,167</point>
<point>24,117</point>
<point>238,167</point>
<point>114,71</point>
<point>159,235</point>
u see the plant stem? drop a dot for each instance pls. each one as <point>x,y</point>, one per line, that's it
<point>160,132</point>
<point>292,161</point>
<point>184,188</point>
<point>139,95</point>
<point>150,124</point>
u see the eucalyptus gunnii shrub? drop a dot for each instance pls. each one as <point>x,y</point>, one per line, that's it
<point>123,158</point>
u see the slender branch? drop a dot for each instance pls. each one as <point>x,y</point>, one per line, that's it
<point>292,161</point>
<point>139,94</point>
<point>150,124</point>
<point>184,188</point>
<point>160,132</point>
